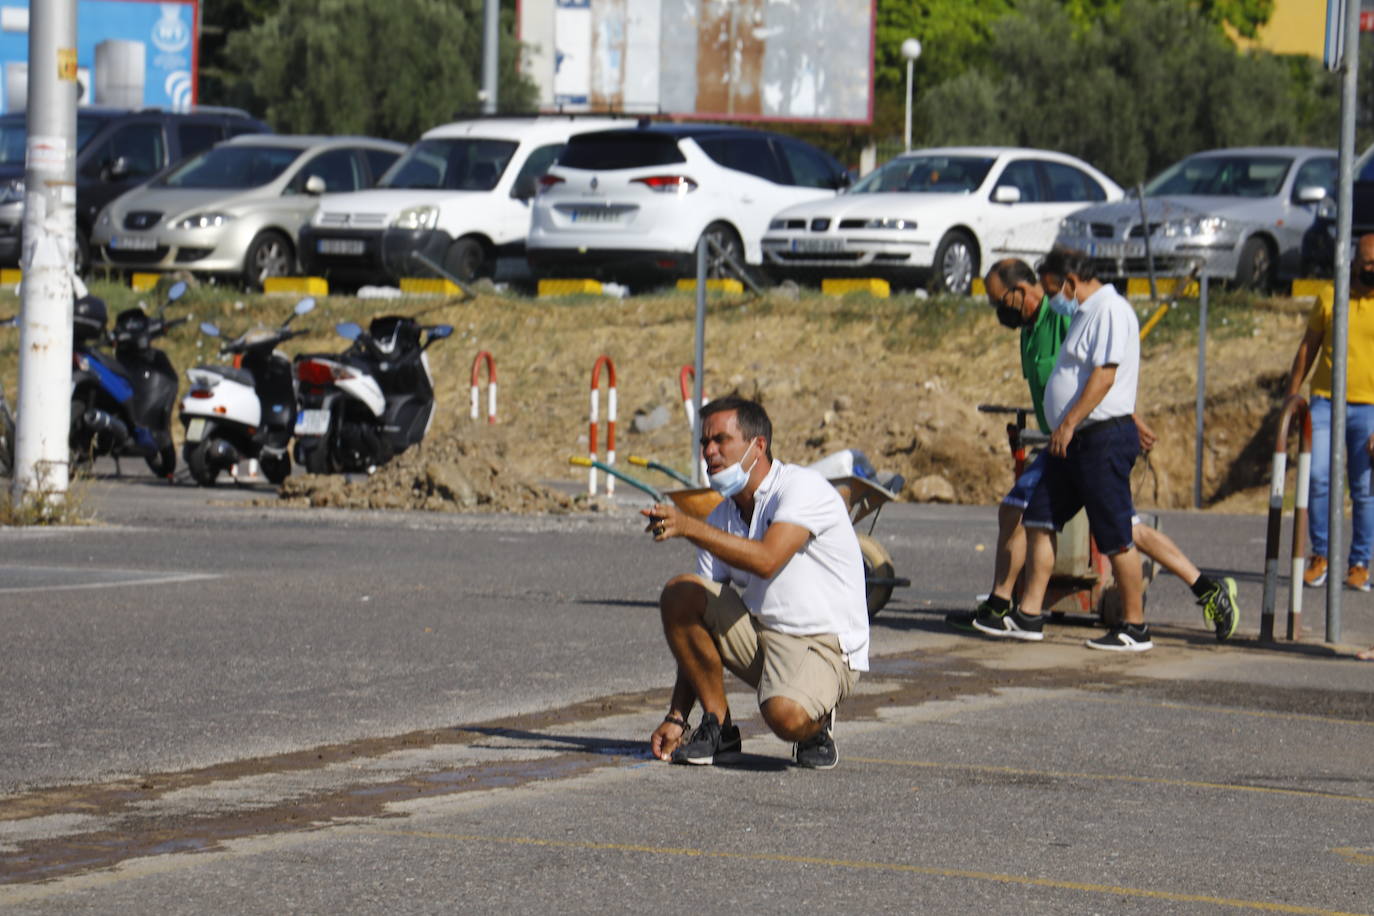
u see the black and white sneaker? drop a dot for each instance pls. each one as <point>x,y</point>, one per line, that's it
<point>708,741</point>
<point>818,752</point>
<point>1010,624</point>
<point>1125,638</point>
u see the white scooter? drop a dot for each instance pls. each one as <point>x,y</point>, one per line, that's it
<point>240,418</point>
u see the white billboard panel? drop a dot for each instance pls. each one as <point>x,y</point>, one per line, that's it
<point>797,60</point>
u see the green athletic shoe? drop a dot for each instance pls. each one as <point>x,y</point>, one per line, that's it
<point>1220,608</point>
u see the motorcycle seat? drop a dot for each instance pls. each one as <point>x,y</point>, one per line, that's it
<point>242,376</point>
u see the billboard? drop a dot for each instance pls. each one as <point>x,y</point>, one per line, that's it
<point>129,53</point>
<point>756,60</point>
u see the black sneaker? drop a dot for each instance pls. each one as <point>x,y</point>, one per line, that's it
<point>1219,607</point>
<point>709,740</point>
<point>962,620</point>
<point>1125,638</point>
<point>818,752</point>
<point>1010,624</point>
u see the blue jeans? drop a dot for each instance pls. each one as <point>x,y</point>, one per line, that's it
<point>1359,424</point>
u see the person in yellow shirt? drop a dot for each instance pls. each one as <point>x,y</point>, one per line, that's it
<point>1316,348</point>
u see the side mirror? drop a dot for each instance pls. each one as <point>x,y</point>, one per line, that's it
<point>1311,194</point>
<point>176,291</point>
<point>208,329</point>
<point>348,330</point>
<point>118,168</point>
<point>1006,194</point>
<point>305,306</point>
<point>440,331</point>
<point>315,185</point>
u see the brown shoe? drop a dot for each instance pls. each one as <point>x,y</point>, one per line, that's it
<point>1358,578</point>
<point>1315,577</point>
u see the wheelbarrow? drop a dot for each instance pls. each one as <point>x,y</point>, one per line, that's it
<point>1082,581</point>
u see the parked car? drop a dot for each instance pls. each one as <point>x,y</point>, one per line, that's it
<point>631,204</point>
<point>235,209</point>
<point>116,149</point>
<point>1241,213</point>
<point>460,196</point>
<point>935,216</point>
<point>1319,242</point>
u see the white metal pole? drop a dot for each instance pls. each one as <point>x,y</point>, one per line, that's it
<point>906,134</point>
<point>491,50</point>
<point>45,342</point>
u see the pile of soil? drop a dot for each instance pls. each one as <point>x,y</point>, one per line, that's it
<point>900,380</point>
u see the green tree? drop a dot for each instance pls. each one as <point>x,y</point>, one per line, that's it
<point>362,67</point>
<point>1136,90</point>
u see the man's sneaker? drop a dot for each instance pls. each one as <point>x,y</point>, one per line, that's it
<point>1010,624</point>
<point>818,752</point>
<point>1358,578</point>
<point>708,741</point>
<point>1126,638</point>
<point>1315,576</point>
<point>1219,607</point>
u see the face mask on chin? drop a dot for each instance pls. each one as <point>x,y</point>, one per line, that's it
<point>1064,305</point>
<point>730,480</point>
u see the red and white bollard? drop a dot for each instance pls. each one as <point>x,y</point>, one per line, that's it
<point>610,423</point>
<point>491,384</point>
<point>684,381</point>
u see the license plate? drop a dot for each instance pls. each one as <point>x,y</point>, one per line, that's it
<point>817,245</point>
<point>341,246</point>
<point>595,215</point>
<point>195,430</point>
<point>312,422</point>
<point>1117,249</point>
<point>133,243</point>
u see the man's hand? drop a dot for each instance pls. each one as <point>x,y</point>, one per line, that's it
<point>1369,446</point>
<point>1060,439</point>
<point>665,739</point>
<point>664,521</point>
<point>1147,435</point>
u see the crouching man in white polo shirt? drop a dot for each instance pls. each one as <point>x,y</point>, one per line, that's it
<point>778,597</point>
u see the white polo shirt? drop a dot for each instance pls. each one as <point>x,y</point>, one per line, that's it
<point>1104,331</point>
<point>821,588</point>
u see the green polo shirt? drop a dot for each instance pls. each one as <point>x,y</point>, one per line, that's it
<point>1040,343</point>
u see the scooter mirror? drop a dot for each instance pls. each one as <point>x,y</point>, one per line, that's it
<point>208,329</point>
<point>440,331</point>
<point>348,330</point>
<point>305,305</point>
<point>176,291</point>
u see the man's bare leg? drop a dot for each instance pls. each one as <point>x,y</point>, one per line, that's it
<point>682,607</point>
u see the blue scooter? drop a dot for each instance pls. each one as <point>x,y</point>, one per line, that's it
<point>122,403</point>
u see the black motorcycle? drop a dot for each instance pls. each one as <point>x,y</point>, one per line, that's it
<point>362,407</point>
<point>122,403</point>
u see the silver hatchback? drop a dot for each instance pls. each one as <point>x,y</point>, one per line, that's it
<point>236,208</point>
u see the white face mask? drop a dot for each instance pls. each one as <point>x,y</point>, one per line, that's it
<point>1063,305</point>
<point>730,480</point>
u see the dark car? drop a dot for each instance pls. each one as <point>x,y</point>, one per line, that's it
<point>1319,242</point>
<point>116,149</point>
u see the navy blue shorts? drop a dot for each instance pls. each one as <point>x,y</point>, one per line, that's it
<point>1095,475</point>
<point>1028,482</point>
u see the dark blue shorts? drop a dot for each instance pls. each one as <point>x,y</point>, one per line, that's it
<point>1028,482</point>
<point>1095,475</point>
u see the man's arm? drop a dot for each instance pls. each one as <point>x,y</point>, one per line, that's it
<point>669,735</point>
<point>763,558</point>
<point>1308,349</point>
<point>1099,383</point>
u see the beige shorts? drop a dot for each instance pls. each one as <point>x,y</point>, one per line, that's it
<point>809,670</point>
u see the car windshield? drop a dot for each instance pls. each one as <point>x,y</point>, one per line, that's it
<point>457,164</point>
<point>232,166</point>
<point>1222,176</point>
<point>927,175</point>
<point>14,134</point>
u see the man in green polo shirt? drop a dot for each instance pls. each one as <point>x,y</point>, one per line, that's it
<point>1034,305</point>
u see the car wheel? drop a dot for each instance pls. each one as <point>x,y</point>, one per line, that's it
<point>717,266</point>
<point>269,255</point>
<point>956,264</point>
<point>466,259</point>
<point>1256,268</point>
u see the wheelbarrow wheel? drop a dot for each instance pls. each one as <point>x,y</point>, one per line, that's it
<point>877,565</point>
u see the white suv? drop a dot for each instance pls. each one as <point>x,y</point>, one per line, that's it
<point>631,204</point>
<point>460,195</point>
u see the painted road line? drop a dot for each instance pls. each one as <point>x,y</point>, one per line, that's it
<point>1251,713</point>
<point>1108,777</point>
<point>69,578</point>
<point>895,867</point>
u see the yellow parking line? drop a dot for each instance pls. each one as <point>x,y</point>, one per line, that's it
<point>896,867</point>
<point>1107,777</point>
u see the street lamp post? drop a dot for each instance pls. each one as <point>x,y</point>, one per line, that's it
<point>911,49</point>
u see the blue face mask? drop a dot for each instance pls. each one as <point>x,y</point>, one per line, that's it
<point>1063,305</point>
<point>729,481</point>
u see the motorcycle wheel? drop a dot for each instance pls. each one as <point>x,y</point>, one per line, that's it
<point>275,469</point>
<point>197,458</point>
<point>877,565</point>
<point>80,442</point>
<point>6,440</point>
<point>164,463</point>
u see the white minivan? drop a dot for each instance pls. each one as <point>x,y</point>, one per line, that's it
<point>460,196</point>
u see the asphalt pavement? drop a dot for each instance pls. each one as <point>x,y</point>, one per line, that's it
<point>209,703</point>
